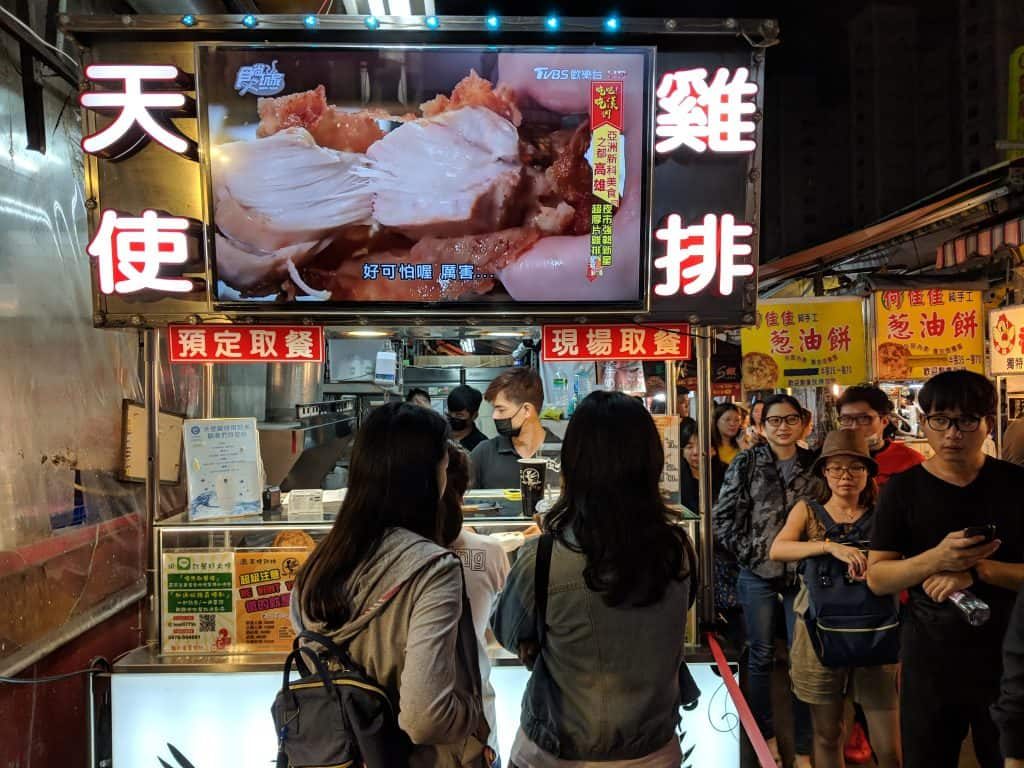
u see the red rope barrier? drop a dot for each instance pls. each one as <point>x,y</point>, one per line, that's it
<point>764,755</point>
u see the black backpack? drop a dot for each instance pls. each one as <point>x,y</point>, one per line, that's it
<point>334,718</point>
<point>849,625</point>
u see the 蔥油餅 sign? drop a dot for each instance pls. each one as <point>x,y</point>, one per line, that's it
<point>919,333</point>
<point>809,342</point>
<point>235,180</point>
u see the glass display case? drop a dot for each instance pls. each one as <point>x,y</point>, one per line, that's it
<point>225,589</point>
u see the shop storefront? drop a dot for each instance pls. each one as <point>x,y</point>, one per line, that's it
<point>288,206</point>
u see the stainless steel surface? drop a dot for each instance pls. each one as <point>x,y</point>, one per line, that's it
<point>289,384</point>
<point>86,26</point>
<point>61,391</point>
<point>670,388</point>
<point>240,390</point>
<point>99,613</point>
<point>152,384</point>
<point>999,416</point>
<point>208,390</point>
<point>754,174</point>
<point>149,7</point>
<point>705,539</point>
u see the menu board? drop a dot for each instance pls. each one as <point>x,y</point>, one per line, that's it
<point>668,430</point>
<point>809,342</point>
<point>451,176</point>
<point>921,333</point>
<point>134,444</point>
<point>198,608</point>
<point>263,586</point>
<point>223,460</point>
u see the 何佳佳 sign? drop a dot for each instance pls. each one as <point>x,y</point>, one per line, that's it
<point>615,342</point>
<point>246,344</point>
<point>805,343</point>
<point>1006,340</point>
<point>920,333</point>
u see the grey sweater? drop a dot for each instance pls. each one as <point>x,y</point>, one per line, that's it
<point>420,647</point>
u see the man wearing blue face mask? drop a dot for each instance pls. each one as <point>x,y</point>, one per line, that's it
<point>517,396</point>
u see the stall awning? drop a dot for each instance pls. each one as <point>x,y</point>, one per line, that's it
<point>923,225</point>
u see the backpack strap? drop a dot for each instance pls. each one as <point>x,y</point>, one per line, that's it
<point>341,651</point>
<point>542,576</point>
<point>822,514</point>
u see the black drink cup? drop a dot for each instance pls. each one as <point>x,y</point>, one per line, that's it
<point>531,483</point>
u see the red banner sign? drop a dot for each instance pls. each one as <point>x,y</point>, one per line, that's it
<point>246,344</point>
<point>606,103</point>
<point>616,342</point>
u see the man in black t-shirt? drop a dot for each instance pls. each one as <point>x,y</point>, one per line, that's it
<point>951,670</point>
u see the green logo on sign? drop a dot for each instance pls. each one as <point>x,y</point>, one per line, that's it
<point>184,563</point>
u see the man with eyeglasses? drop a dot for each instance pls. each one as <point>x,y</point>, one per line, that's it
<point>920,543</point>
<point>868,410</point>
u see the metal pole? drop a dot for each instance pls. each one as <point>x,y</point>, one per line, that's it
<point>207,412</point>
<point>151,381</point>
<point>670,387</point>
<point>999,416</point>
<point>706,544</point>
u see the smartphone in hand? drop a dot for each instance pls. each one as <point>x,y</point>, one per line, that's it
<point>988,531</point>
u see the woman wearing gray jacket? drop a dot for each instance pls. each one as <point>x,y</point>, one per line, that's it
<point>605,685</point>
<point>417,642</point>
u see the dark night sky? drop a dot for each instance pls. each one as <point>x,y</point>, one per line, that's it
<point>823,175</point>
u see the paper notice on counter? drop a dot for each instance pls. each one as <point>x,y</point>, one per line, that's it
<point>223,463</point>
<point>198,604</point>
<point>306,505</point>
<point>668,429</point>
<point>263,587</point>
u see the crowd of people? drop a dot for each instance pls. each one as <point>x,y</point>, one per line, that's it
<point>596,604</point>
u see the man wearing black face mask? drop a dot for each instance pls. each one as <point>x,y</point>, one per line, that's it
<point>463,407</point>
<point>517,396</point>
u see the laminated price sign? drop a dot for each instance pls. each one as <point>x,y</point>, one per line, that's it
<point>1006,341</point>
<point>263,585</point>
<point>805,343</point>
<point>198,610</point>
<point>921,333</point>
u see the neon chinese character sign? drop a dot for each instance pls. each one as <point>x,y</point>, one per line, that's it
<point>704,115</point>
<point>694,255</point>
<point>130,252</point>
<point>142,113</point>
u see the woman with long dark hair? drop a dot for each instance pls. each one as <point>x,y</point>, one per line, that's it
<point>385,551</point>
<point>602,690</point>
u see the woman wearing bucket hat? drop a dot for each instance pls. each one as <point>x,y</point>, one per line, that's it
<point>843,510</point>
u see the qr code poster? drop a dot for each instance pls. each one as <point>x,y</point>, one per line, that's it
<point>198,604</point>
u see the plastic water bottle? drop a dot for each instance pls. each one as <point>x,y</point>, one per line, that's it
<point>560,396</point>
<point>975,611</point>
<point>575,399</point>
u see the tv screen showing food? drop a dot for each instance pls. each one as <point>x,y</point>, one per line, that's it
<point>449,178</point>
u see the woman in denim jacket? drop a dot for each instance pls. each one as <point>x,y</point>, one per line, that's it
<point>605,686</point>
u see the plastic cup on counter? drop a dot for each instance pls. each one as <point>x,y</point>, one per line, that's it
<point>531,483</point>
